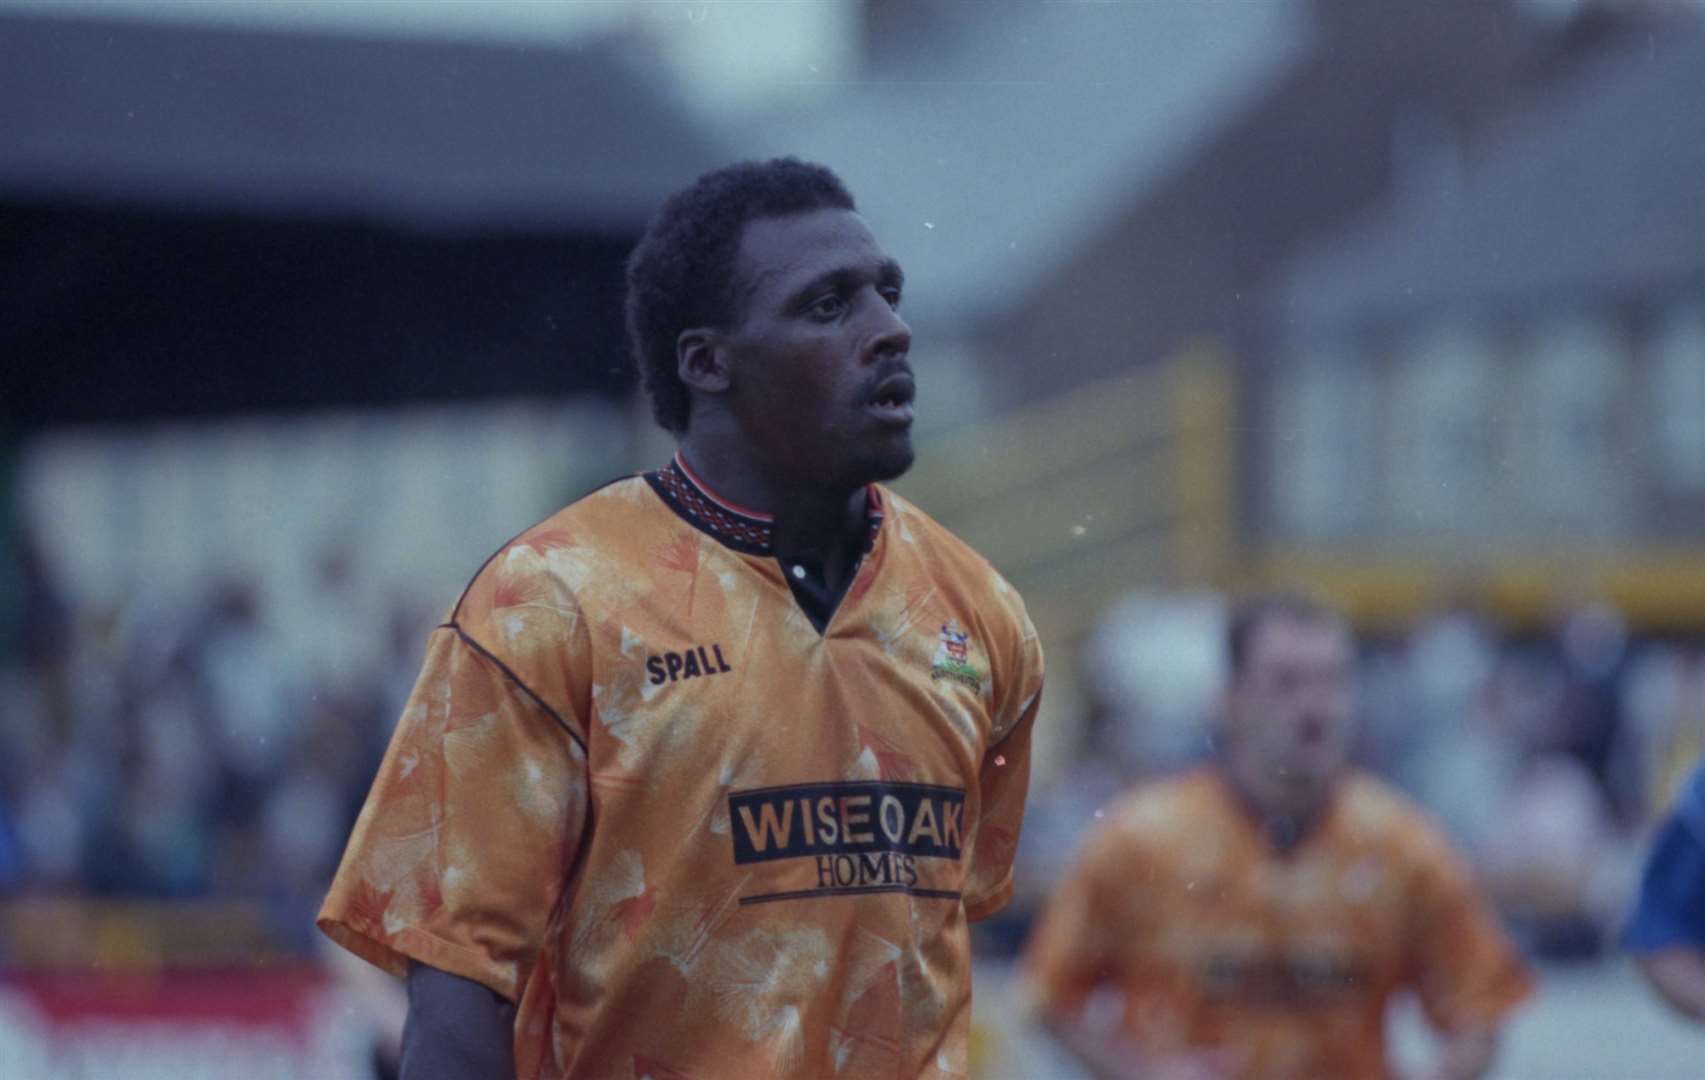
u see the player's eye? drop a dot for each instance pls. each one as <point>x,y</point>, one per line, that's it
<point>891,294</point>
<point>827,307</point>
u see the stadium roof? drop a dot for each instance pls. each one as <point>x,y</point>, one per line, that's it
<point>430,132</point>
<point>988,155</point>
<point>1601,189</point>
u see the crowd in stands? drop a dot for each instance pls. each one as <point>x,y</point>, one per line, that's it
<point>187,751</point>
<point>166,751</point>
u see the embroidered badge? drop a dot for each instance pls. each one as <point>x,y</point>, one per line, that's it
<point>953,657</point>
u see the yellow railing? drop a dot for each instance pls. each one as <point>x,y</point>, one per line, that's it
<point>1131,482</point>
<point>1657,591</point>
<point>1120,484</point>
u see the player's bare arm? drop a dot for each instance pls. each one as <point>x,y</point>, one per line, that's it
<point>456,1029</point>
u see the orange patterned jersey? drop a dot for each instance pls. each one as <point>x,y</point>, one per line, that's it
<point>1287,961</point>
<point>639,792</point>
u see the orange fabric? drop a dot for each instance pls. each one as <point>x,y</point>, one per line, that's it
<point>638,792</point>
<point>1288,960</point>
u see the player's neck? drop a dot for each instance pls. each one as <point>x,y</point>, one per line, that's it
<point>1286,820</point>
<point>827,524</point>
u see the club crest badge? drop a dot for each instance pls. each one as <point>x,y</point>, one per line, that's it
<point>953,657</point>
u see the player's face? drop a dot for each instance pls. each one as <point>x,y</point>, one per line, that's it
<point>1292,707</point>
<point>819,375</point>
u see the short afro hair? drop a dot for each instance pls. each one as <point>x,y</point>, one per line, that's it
<point>681,273</point>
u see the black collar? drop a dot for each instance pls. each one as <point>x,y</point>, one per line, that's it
<point>729,523</point>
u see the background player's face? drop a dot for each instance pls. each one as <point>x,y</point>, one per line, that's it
<point>819,377</point>
<point>1291,710</point>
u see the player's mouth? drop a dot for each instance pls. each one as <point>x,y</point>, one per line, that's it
<point>891,402</point>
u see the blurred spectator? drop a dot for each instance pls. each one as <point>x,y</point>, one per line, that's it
<point>43,628</point>
<point>53,832</point>
<point>153,839</point>
<point>1456,763</point>
<point>343,650</point>
<point>1663,697</point>
<point>1543,862</point>
<point>11,854</point>
<point>188,760</point>
<point>1155,671</point>
<point>246,698</point>
<point>1667,931</point>
<point>1593,645</point>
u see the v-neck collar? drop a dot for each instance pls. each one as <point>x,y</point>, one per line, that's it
<point>729,523</point>
<point>752,532</point>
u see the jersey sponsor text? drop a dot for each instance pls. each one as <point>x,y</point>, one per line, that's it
<point>670,666</point>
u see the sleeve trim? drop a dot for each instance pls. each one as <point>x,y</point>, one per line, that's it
<point>516,679</point>
<point>1025,711</point>
<point>410,943</point>
<point>990,903</point>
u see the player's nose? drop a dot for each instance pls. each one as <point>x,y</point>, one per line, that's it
<point>891,336</point>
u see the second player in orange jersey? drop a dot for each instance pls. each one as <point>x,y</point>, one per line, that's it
<point>1254,918</point>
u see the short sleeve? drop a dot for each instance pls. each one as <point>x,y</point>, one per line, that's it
<point>1004,783</point>
<point>1468,972</point>
<point>460,853</point>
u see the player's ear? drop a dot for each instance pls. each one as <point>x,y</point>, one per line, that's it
<point>701,360</point>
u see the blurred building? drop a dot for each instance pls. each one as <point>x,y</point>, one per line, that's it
<point>1493,386</point>
<point>1101,207</point>
<point>220,228</point>
<point>204,220</point>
